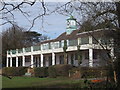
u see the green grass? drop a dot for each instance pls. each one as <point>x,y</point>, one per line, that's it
<point>31,82</point>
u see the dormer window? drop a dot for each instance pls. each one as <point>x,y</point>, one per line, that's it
<point>72,23</point>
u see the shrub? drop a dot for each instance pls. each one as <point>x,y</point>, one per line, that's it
<point>88,72</point>
<point>14,71</point>
<point>75,73</point>
<point>41,71</point>
<point>52,72</point>
<point>93,72</point>
<point>63,70</point>
<point>21,71</point>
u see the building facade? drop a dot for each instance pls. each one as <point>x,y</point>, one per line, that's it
<point>93,49</point>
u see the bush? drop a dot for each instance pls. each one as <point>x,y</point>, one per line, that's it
<point>14,71</point>
<point>59,70</point>
<point>75,73</point>
<point>89,72</point>
<point>41,71</point>
<point>52,72</point>
<point>21,70</point>
<point>63,70</point>
<point>93,72</point>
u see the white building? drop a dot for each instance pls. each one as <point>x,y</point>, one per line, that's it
<point>50,52</point>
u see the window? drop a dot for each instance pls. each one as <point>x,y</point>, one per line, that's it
<point>44,61</point>
<point>84,40</point>
<point>95,40</point>
<point>49,45</point>
<point>36,48</point>
<point>95,55</point>
<point>50,60</point>
<point>86,55</point>
<point>61,58</point>
<point>60,44</point>
<point>72,23</point>
<point>56,44</point>
<point>20,50</point>
<point>13,51</point>
<point>28,49</point>
<point>76,56</point>
<point>45,46</point>
<point>72,59</point>
<point>73,42</point>
<point>27,59</point>
<point>105,41</point>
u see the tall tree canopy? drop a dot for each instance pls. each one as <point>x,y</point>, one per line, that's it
<point>17,37</point>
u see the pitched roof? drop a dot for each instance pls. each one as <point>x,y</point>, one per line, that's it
<point>76,33</point>
<point>63,36</point>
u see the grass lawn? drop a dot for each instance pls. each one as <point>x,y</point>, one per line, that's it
<point>33,82</point>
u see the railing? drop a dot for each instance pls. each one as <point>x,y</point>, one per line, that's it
<point>13,51</point>
<point>84,40</point>
<point>73,42</point>
<point>20,51</point>
<point>36,48</point>
<point>56,45</point>
<point>28,49</point>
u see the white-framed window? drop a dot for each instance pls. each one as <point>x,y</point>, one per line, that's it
<point>62,43</point>
<point>84,40</point>
<point>72,23</point>
<point>56,44</point>
<point>45,46</point>
<point>73,42</point>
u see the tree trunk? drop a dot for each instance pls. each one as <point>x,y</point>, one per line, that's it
<point>118,12</point>
<point>117,46</point>
<point>65,58</point>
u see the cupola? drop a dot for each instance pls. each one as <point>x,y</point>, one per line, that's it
<point>71,25</point>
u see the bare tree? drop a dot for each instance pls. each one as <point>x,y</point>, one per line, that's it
<point>17,37</point>
<point>97,13</point>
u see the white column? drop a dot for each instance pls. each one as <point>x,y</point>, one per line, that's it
<point>23,60</point>
<point>31,61</point>
<point>16,61</point>
<point>31,57</point>
<point>79,41</point>
<point>90,57</point>
<point>17,58</point>
<point>90,39</point>
<point>41,60</point>
<point>10,61</point>
<point>53,58</point>
<point>7,61</point>
<point>67,42</point>
<point>10,58</point>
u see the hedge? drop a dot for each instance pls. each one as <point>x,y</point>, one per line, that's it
<point>93,72</point>
<point>89,72</point>
<point>59,70</point>
<point>14,71</point>
<point>41,71</point>
<point>52,72</point>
